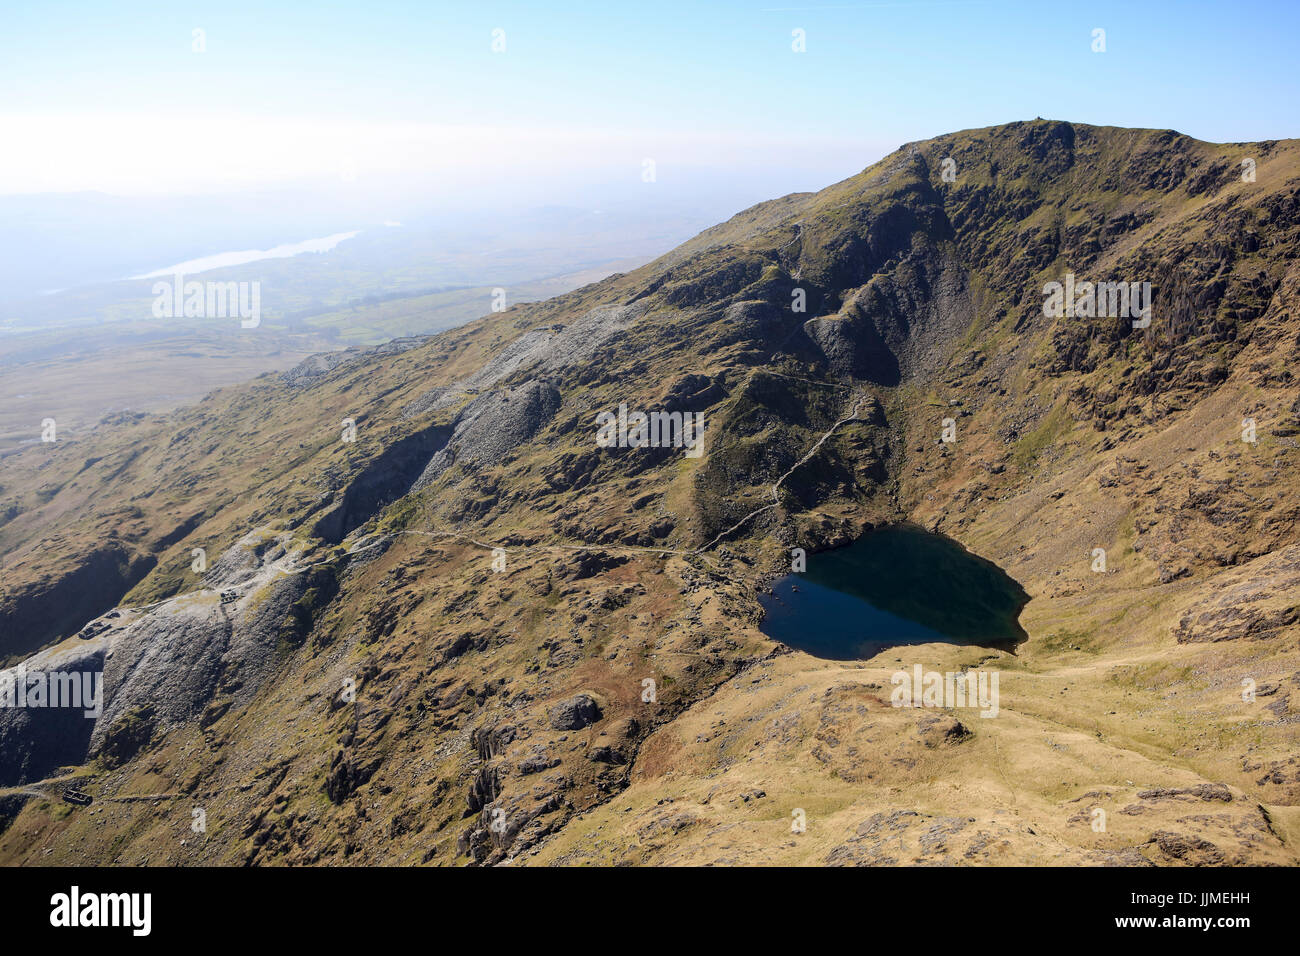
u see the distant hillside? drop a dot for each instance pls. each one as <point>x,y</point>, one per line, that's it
<point>78,376</point>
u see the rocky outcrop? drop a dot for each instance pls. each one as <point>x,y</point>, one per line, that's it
<point>37,739</point>
<point>387,477</point>
<point>492,426</point>
<point>575,713</point>
<point>1257,602</point>
<point>900,325</point>
<point>33,616</point>
<point>540,351</point>
<point>186,660</point>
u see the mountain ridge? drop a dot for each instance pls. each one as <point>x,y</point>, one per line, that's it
<point>923,302</point>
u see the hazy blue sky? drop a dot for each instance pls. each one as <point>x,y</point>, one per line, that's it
<point>111,96</point>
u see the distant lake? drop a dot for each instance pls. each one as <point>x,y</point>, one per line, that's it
<point>222,260</point>
<point>895,585</point>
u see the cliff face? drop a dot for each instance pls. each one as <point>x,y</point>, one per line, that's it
<point>55,606</point>
<point>472,633</point>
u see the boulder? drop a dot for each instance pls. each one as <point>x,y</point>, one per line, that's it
<point>575,713</point>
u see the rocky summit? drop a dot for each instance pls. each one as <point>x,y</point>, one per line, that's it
<point>401,606</point>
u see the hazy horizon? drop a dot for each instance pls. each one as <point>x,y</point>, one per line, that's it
<point>143,137</point>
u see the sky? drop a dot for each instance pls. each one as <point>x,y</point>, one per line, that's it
<point>122,97</point>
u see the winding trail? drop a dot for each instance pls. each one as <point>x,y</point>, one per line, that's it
<point>285,566</point>
<point>776,485</point>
